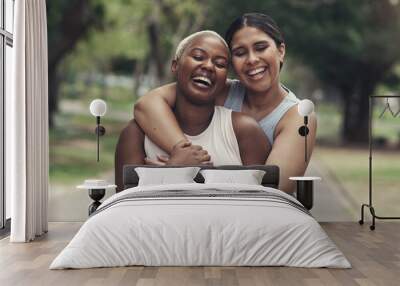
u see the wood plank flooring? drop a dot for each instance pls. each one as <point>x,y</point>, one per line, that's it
<point>374,255</point>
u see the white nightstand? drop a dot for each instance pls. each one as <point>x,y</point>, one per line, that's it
<point>305,186</point>
<point>97,190</point>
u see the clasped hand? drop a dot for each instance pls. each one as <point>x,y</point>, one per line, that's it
<point>183,153</point>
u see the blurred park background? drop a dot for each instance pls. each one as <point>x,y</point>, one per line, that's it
<point>338,53</point>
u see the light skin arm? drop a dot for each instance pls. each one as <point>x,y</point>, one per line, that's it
<point>288,148</point>
<point>253,143</point>
<point>153,113</point>
<point>130,150</point>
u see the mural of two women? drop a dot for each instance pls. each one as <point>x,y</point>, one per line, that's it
<point>181,119</point>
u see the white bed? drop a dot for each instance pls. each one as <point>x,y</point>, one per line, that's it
<point>223,224</point>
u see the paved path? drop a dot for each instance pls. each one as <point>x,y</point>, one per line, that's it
<point>69,204</point>
<point>331,200</point>
<point>78,108</point>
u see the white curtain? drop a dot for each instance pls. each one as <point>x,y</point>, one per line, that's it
<point>27,148</point>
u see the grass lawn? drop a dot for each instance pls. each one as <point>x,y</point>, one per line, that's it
<point>330,120</point>
<point>73,152</point>
<point>350,167</point>
<point>73,143</point>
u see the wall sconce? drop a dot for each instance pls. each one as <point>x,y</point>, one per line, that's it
<point>98,108</point>
<point>305,108</point>
<point>305,193</point>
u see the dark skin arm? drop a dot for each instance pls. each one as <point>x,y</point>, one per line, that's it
<point>253,143</point>
<point>130,150</point>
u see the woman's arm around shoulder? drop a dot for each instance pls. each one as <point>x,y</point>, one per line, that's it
<point>253,143</point>
<point>288,148</point>
<point>153,113</point>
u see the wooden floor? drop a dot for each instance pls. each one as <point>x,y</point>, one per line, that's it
<point>374,255</point>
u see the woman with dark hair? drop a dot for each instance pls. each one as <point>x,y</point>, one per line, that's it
<point>257,51</point>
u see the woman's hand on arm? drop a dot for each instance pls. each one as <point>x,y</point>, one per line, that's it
<point>253,143</point>
<point>153,113</point>
<point>288,148</point>
<point>184,153</point>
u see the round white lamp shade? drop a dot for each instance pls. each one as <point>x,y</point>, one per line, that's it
<point>98,107</point>
<point>305,107</point>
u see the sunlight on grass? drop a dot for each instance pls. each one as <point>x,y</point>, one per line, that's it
<point>330,121</point>
<point>350,166</point>
<point>73,142</point>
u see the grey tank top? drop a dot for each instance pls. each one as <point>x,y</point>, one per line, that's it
<point>235,99</point>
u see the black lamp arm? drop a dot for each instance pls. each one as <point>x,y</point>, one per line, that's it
<point>303,131</point>
<point>100,131</point>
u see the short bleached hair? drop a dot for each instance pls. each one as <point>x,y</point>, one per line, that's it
<point>186,41</point>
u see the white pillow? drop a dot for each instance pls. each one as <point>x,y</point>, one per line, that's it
<point>163,176</point>
<point>248,177</point>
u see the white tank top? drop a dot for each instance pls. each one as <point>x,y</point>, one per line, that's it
<point>218,139</point>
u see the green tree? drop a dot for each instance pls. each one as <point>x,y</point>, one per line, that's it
<point>137,35</point>
<point>68,21</point>
<point>351,46</point>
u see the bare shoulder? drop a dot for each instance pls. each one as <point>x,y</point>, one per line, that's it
<point>292,119</point>
<point>246,127</point>
<point>253,143</point>
<point>133,131</point>
<point>242,122</point>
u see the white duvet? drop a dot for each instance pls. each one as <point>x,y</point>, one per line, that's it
<point>206,230</point>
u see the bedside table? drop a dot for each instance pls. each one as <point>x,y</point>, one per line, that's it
<point>305,186</point>
<point>97,190</point>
